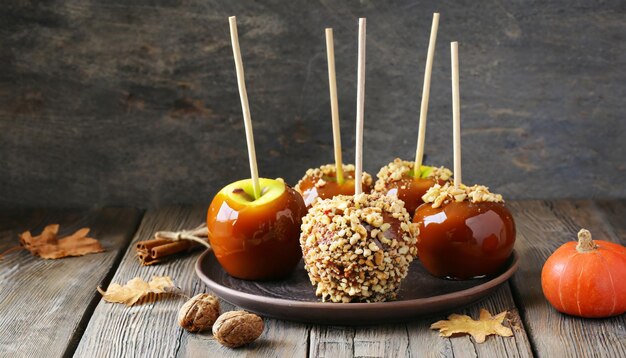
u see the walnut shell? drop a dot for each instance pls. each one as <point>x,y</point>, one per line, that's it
<point>237,328</point>
<point>199,313</point>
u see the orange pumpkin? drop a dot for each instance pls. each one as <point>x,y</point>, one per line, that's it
<point>587,279</point>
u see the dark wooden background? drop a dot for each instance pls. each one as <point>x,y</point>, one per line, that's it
<point>135,102</point>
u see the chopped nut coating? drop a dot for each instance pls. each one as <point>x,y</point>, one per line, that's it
<point>438,195</point>
<point>399,169</point>
<point>317,174</point>
<point>366,253</point>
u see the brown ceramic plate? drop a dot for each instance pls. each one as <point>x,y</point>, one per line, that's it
<point>294,298</point>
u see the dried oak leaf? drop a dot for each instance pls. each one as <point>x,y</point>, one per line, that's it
<point>136,289</point>
<point>485,326</point>
<point>48,246</point>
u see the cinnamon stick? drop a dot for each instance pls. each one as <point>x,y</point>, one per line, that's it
<point>152,251</point>
<point>168,243</point>
<point>147,260</point>
<point>149,244</point>
<point>170,248</point>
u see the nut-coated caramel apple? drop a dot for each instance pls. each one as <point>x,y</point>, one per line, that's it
<point>322,183</point>
<point>357,248</point>
<point>256,239</point>
<point>461,238</point>
<point>398,178</point>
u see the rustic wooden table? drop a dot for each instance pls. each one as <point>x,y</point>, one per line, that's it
<point>51,308</point>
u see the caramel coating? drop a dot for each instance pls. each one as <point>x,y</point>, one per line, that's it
<point>398,178</point>
<point>256,242</point>
<point>464,239</point>
<point>322,183</point>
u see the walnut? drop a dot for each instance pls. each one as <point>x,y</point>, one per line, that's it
<point>199,313</point>
<point>237,328</point>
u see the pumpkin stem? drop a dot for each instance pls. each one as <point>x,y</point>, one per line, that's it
<point>585,243</point>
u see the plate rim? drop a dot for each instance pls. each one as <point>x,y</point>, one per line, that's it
<point>485,286</point>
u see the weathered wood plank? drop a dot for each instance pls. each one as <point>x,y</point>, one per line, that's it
<point>45,304</point>
<point>416,339</point>
<point>615,213</point>
<point>425,342</point>
<point>151,329</point>
<point>331,342</point>
<point>542,227</point>
<point>382,341</point>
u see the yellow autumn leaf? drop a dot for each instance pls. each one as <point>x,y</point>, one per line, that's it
<point>485,326</point>
<point>136,289</point>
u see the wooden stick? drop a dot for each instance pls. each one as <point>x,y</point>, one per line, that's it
<point>334,105</point>
<point>245,107</point>
<point>456,113</point>
<point>360,106</point>
<point>419,152</point>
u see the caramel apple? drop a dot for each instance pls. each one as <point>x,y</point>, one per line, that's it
<point>256,239</point>
<point>330,180</point>
<point>254,224</point>
<point>410,180</point>
<point>464,232</point>
<point>400,179</point>
<point>358,248</point>
<point>322,183</point>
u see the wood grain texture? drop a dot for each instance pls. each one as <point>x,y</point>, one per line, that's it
<point>426,343</point>
<point>45,304</point>
<point>136,103</point>
<point>151,329</point>
<point>542,227</point>
<point>331,342</point>
<point>418,340</point>
<point>615,213</point>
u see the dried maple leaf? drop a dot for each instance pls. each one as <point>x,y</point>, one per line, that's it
<point>485,326</point>
<point>47,246</point>
<point>136,289</point>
